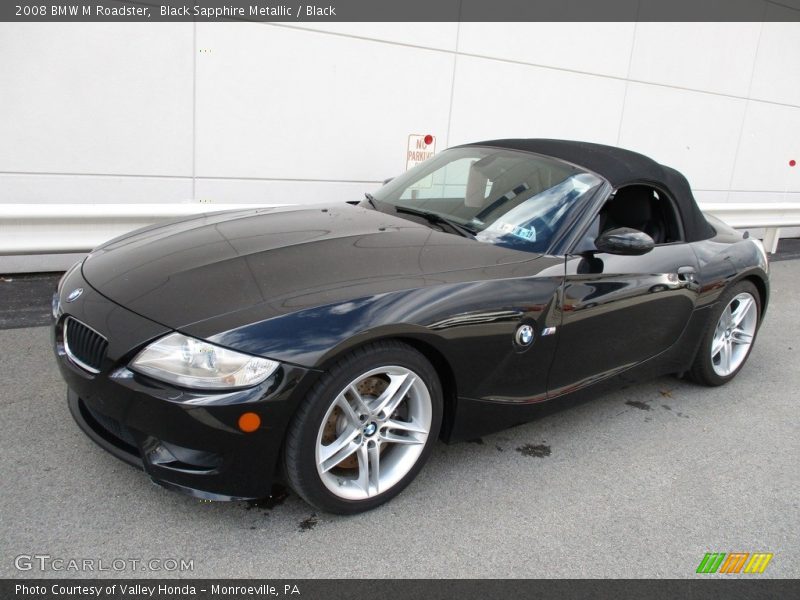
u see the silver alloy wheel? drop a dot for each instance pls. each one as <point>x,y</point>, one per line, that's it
<point>384,431</point>
<point>734,333</point>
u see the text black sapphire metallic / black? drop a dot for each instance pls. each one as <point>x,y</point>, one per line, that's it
<point>330,346</point>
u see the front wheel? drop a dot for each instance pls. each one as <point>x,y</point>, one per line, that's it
<point>365,429</point>
<point>729,336</point>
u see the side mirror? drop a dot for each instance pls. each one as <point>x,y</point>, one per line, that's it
<point>624,240</point>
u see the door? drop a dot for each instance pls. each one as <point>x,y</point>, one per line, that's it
<point>617,310</point>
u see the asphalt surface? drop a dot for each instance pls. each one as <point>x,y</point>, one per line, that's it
<point>637,483</point>
<point>25,300</point>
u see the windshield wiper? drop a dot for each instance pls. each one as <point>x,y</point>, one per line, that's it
<point>437,219</point>
<point>371,199</point>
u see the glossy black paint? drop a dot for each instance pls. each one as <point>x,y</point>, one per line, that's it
<point>153,414</point>
<point>603,302</point>
<point>625,241</point>
<point>228,270</point>
<point>304,285</point>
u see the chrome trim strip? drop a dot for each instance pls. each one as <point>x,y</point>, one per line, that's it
<point>69,353</point>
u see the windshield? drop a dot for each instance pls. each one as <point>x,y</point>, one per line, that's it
<point>503,197</point>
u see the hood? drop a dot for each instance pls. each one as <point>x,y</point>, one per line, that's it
<point>270,262</point>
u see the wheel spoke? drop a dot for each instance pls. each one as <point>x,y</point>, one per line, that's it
<point>741,337</point>
<point>338,450</point>
<point>404,426</point>
<point>363,469</point>
<point>347,410</point>
<point>726,318</point>
<point>717,345</point>
<point>393,395</point>
<point>361,406</point>
<point>374,456</point>
<point>741,311</point>
<point>725,357</point>
<point>401,432</point>
<point>394,438</point>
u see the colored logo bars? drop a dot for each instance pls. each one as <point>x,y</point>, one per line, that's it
<point>736,562</point>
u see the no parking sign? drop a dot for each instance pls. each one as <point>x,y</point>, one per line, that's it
<point>421,147</point>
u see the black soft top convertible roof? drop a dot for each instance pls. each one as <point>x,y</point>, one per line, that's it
<point>620,168</point>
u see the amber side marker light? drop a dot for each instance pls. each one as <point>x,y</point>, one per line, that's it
<point>249,422</point>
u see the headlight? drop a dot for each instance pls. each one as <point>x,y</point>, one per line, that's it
<point>193,363</point>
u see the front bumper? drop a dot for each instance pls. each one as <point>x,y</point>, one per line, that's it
<point>184,440</point>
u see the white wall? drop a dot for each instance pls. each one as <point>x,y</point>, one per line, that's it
<point>240,112</point>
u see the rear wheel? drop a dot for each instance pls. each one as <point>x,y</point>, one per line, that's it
<point>365,430</point>
<point>729,336</point>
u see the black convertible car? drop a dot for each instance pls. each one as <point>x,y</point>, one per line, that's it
<point>331,346</point>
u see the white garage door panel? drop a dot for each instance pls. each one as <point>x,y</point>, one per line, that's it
<point>96,98</point>
<point>274,102</point>
<point>494,99</point>
<point>714,57</point>
<point>777,73</point>
<point>693,132</point>
<point>769,141</point>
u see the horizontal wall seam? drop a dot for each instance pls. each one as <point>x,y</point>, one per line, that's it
<point>185,177</point>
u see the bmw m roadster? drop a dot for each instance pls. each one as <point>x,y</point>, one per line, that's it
<point>330,347</point>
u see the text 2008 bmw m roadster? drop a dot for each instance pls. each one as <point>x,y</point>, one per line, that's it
<point>332,346</point>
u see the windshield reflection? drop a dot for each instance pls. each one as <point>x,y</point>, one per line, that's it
<point>505,197</point>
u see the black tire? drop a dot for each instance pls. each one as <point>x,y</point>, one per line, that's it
<point>702,370</point>
<point>300,446</point>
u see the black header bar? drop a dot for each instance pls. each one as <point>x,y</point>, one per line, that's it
<point>298,11</point>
